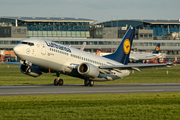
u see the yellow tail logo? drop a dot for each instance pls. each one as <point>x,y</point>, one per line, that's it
<point>127,46</point>
<point>157,48</point>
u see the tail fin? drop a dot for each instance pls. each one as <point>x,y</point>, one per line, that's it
<point>156,51</point>
<point>122,52</point>
<point>83,46</point>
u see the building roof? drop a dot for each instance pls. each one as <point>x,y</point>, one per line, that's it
<point>50,19</point>
<point>155,21</point>
<point>161,21</point>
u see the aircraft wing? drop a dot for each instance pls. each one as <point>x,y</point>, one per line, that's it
<point>133,67</point>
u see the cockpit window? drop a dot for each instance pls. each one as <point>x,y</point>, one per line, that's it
<point>28,43</point>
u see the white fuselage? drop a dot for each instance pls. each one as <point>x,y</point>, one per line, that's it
<point>137,56</point>
<point>64,59</point>
<point>143,56</point>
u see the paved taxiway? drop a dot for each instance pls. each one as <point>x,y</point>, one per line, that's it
<point>80,89</point>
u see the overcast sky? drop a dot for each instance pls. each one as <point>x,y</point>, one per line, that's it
<point>100,10</point>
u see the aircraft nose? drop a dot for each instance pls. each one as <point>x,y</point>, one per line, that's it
<point>18,49</point>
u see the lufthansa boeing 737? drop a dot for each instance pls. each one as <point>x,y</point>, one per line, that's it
<point>39,56</point>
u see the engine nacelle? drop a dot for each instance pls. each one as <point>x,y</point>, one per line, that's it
<point>31,70</point>
<point>88,70</point>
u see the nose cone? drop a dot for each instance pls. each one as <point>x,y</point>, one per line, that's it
<point>18,49</point>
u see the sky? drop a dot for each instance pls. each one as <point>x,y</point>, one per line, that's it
<point>99,10</point>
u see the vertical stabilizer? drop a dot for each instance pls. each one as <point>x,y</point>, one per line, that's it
<point>83,46</point>
<point>156,51</point>
<point>123,50</point>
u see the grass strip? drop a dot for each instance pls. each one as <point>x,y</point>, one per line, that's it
<point>92,106</point>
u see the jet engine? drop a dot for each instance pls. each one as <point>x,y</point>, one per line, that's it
<point>88,70</point>
<point>31,70</point>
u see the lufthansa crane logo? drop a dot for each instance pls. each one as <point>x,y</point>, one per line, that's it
<point>27,50</point>
<point>127,46</point>
<point>157,48</point>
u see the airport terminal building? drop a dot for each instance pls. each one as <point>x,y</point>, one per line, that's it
<point>104,36</point>
<point>47,26</point>
<point>146,29</point>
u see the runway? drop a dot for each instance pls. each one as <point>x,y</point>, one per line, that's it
<point>96,89</point>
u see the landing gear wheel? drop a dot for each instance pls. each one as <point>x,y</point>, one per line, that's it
<point>91,82</point>
<point>60,82</point>
<point>56,82</point>
<point>86,82</point>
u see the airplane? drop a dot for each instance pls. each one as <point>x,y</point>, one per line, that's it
<point>83,46</point>
<point>38,56</point>
<point>146,56</point>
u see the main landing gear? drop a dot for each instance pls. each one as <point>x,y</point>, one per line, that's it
<point>58,81</point>
<point>88,82</point>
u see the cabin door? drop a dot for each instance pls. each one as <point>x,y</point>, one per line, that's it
<point>43,48</point>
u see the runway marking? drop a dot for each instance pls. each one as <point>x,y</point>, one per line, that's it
<point>21,86</point>
<point>143,84</point>
<point>80,89</point>
<point>87,92</point>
